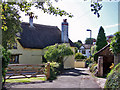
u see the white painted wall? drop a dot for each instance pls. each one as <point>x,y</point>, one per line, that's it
<point>87,52</point>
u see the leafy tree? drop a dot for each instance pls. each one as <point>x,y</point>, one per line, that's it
<point>56,53</point>
<point>101,39</point>
<point>5,62</point>
<point>10,25</point>
<point>96,7</point>
<point>77,44</point>
<point>89,40</point>
<point>115,43</point>
<point>79,56</point>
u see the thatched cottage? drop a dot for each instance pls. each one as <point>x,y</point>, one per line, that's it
<point>33,38</point>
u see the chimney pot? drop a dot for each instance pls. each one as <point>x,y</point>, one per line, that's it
<point>31,21</point>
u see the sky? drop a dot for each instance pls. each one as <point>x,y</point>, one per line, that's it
<point>83,18</point>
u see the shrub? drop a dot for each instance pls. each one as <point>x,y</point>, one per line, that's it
<point>54,70</point>
<point>79,56</point>
<point>115,43</point>
<point>113,78</point>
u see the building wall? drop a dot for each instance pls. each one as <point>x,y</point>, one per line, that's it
<point>79,64</point>
<point>87,52</point>
<point>30,56</point>
<point>69,60</point>
<point>34,56</point>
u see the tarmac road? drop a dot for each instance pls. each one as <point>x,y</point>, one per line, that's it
<point>72,78</point>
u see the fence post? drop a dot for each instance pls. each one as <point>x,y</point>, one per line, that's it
<point>48,70</point>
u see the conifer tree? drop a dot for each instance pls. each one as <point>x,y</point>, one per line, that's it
<point>101,39</point>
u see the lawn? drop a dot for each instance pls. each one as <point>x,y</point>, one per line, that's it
<point>32,79</point>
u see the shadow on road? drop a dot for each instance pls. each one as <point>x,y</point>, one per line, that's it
<point>73,72</point>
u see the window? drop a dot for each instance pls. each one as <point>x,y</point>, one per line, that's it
<point>14,59</point>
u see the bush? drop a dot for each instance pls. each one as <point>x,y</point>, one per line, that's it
<point>79,56</point>
<point>54,70</point>
<point>115,43</point>
<point>113,78</point>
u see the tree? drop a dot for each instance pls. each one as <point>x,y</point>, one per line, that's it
<point>56,53</point>
<point>115,43</point>
<point>101,39</point>
<point>96,7</point>
<point>89,40</point>
<point>5,62</point>
<point>77,44</point>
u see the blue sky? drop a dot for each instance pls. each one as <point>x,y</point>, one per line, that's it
<point>83,18</point>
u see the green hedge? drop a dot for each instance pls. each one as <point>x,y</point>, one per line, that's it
<point>113,78</point>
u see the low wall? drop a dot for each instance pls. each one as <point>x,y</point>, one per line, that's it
<point>79,64</point>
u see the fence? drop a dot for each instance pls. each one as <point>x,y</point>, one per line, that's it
<point>28,69</point>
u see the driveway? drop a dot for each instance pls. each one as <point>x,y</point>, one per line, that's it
<point>72,78</point>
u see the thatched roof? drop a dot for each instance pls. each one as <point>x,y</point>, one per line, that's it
<point>39,36</point>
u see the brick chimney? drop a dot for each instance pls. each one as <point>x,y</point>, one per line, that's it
<point>31,21</point>
<point>64,34</point>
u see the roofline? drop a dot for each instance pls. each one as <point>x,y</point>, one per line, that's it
<point>108,45</point>
<point>39,24</point>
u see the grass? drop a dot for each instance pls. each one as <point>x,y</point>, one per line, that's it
<point>22,80</point>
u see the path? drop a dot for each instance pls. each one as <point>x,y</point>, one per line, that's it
<point>74,78</point>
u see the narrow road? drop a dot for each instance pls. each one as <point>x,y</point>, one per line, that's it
<point>73,78</point>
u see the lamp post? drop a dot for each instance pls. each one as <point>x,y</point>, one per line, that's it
<point>90,39</point>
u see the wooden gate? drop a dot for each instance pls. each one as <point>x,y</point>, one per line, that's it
<point>28,69</point>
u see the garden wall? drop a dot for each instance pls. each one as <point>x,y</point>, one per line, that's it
<point>79,64</point>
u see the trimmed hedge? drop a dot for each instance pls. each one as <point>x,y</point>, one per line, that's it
<point>113,78</point>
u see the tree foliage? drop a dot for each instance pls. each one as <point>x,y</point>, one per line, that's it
<point>79,56</point>
<point>101,39</point>
<point>57,52</point>
<point>96,7</point>
<point>10,25</point>
<point>115,43</point>
<point>77,44</point>
<point>89,40</point>
<point>5,61</point>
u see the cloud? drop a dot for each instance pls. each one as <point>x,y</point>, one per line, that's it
<point>111,26</point>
